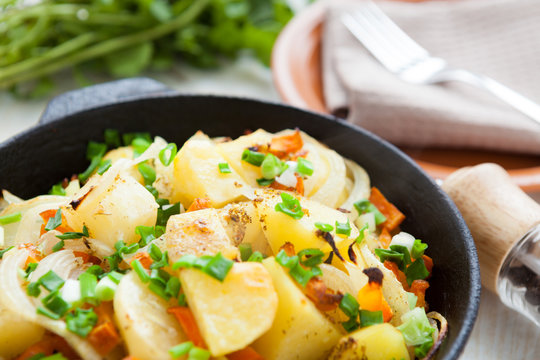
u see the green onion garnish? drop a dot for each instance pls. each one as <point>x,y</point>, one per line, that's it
<point>323,226</point>
<point>349,305</point>
<point>264,182</point>
<point>181,349</point>
<point>88,283</point>
<point>361,234</point>
<point>95,149</point>
<point>112,138</point>
<point>256,257</point>
<point>224,168</point>
<point>290,206</point>
<point>368,318</point>
<point>55,221</point>
<point>304,167</point>
<point>296,271</point>
<point>81,321</point>
<point>94,164</point>
<point>167,154</point>
<point>51,281</point>
<point>418,249</point>
<point>245,251</point>
<point>218,267</point>
<point>2,252</point>
<point>351,324</point>
<point>58,246</point>
<point>186,261</point>
<point>148,173</point>
<point>10,218</point>
<point>105,289</point>
<point>198,354</point>
<point>253,157</point>
<point>48,313</point>
<point>74,235</point>
<point>104,166</point>
<point>140,271</point>
<point>343,228</point>
<point>365,206</point>
<point>165,211</point>
<point>159,290</point>
<point>172,288</point>
<point>416,271</point>
<point>129,137</point>
<point>57,189</point>
<point>313,257</point>
<point>33,289</point>
<point>140,145</point>
<point>391,255</point>
<point>271,167</point>
<point>55,303</point>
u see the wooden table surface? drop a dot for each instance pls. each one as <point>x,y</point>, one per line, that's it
<point>499,333</point>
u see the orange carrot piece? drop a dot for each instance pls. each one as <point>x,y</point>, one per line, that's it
<point>299,185</point>
<point>245,354</point>
<point>281,146</point>
<point>144,258</point>
<point>394,217</point>
<point>429,263</point>
<point>35,254</point>
<point>87,258</point>
<point>370,298</point>
<point>400,275</point>
<point>189,325</point>
<point>47,346</point>
<point>199,204</point>
<point>46,215</point>
<point>418,288</point>
<point>104,337</point>
<point>385,238</point>
<point>130,358</point>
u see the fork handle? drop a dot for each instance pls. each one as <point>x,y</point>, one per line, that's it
<point>519,102</point>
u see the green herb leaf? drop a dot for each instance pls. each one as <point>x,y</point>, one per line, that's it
<point>418,249</point>
<point>167,155</point>
<point>81,321</point>
<point>343,228</point>
<point>416,271</point>
<point>290,206</point>
<point>368,318</point>
<point>365,206</point>
<point>58,246</point>
<point>57,189</point>
<point>51,281</point>
<point>218,267</point>
<point>55,221</point>
<point>310,257</point>
<point>148,173</point>
<point>349,305</point>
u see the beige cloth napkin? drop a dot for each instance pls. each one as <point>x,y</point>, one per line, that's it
<point>497,38</point>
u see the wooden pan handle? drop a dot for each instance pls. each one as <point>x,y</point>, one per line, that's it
<point>497,212</point>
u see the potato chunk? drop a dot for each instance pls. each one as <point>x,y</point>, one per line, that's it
<point>146,327</point>
<point>233,313</point>
<point>197,175</point>
<point>199,233</point>
<point>299,330</point>
<point>280,228</point>
<point>376,342</point>
<point>112,206</point>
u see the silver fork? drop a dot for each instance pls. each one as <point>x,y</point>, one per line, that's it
<point>412,63</point>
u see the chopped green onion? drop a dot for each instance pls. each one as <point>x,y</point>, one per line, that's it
<point>33,289</point>
<point>290,206</point>
<point>405,251</point>
<point>104,166</point>
<point>55,221</point>
<point>140,271</point>
<point>159,290</point>
<point>74,235</point>
<point>256,257</point>
<point>417,331</point>
<point>57,189</point>
<point>115,277</point>
<point>55,303</point>
<point>148,173</point>
<point>95,270</point>
<point>391,255</point>
<point>368,318</point>
<point>162,262</point>
<point>148,233</point>
<point>88,287</point>
<point>285,260</point>
<point>324,226</point>
<point>166,156</point>
<point>365,206</point>
<point>186,261</point>
<point>343,228</point>
<point>10,218</point>
<point>152,190</point>
<point>181,349</point>
<point>48,313</point>
<point>29,269</point>
<point>265,182</point>
<point>112,138</point>
<point>58,246</point>
<point>139,146</point>
<point>253,157</point>
<point>173,287</point>
<point>198,354</point>
<point>349,305</point>
<point>57,356</point>
<point>313,257</point>
<point>416,271</point>
<point>361,234</point>
<point>418,249</point>
<point>105,289</point>
<point>218,267</point>
<point>245,251</point>
<point>155,252</point>
<point>159,276</point>
<point>95,149</point>
<point>165,212</point>
<point>304,167</point>
<point>51,281</point>
<point>129,137</point>
<point>351,324</point>
<point>81,321</point>
<point>301,275</point>
<point>271,167</point>
<point>224,168</point>
<point>94,164</point>
<point>2,252</point>
<point>182,300</point>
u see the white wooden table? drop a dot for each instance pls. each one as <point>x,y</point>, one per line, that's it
<point>499,333</point>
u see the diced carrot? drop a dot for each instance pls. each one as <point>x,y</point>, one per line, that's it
<point>418,288</point>
<point>35,255</point>
<point>47,346</point>
<point>400,275</point>
<point>144,258</point>
<point>289,248</point>
<point>370,298</point>
<point>130,358</point>
<point>299,185</point>
<point>189,325</point>
<point>245,354</point>
<point>104,337</point>
<point>325,299</point>
<point>281,146</point>
<point>385,238</point>
<point>46,215</point>
<point>394,217</point>
<point>199,204</point>
<point>429,263</point>
<point>87,258</point>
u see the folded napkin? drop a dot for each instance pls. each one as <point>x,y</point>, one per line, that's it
<point>497,38</point>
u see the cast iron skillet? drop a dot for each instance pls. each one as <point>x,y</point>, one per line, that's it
<point>34,160</point>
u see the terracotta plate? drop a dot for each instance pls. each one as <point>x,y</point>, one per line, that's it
<point>296,65</point>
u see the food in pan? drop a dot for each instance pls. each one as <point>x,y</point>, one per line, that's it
<point>269,246</point>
